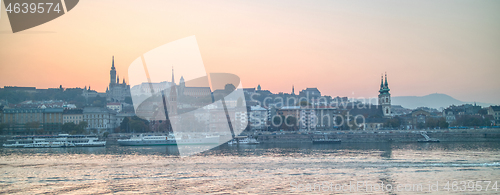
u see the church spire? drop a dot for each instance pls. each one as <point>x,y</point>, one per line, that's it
<point>293,90</point>
<point>382,81</point>
<point>173,81</point>
<point>112,73</point>
<point>386,85</point>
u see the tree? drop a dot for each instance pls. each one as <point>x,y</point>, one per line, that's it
<point>80,128</point>
<point>138,126</point>
<point>105,134</point>
<point>472,120</point>
<point>124,125</point>
<point>442,123</point>
<point>2,127</point>
<point>393,122</point>
<point>32,126</point>
<point>69,127</point>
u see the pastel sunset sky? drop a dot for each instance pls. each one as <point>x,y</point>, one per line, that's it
<point>340,47</point>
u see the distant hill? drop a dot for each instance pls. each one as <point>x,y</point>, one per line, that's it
<point>435,100</point>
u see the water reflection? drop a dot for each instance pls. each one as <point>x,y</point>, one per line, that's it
<point>259,169</point>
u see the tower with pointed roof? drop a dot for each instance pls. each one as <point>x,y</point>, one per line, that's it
<point>384,97</point>
<point>182,85</point>
<point>116,91</point>
<point>173,80</point>
<point>112,73</point>
<point>293,90</point>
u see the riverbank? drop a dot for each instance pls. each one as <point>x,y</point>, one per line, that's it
<point>444,135</point>
<point>467,135</point>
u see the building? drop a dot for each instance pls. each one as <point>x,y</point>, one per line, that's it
<point>258,118</point>
<point>308,119</point>
<point>418,119</point>
<point>116,92</point>
<point>384,98</point>
<point>465,109</point>
<point>116,106</point>
<point>73,116</point>
<point>100,119</point>
<point>449,115</point>
<point>306,116</point>
<point>495,112</point>
<point>28,121</point>
<point>374,124</point>
<point>310,92</point>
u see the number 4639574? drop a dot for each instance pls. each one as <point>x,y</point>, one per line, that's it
<point>32,8</point>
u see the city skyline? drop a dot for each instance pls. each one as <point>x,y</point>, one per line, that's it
<point>339,47</point>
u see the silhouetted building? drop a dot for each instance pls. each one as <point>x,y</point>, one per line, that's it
<point>116,92</point>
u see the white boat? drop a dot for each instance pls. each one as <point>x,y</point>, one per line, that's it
<point>49,144</point>
<point>52,141</point>
<point>243,140</point>
<point>155,140</point>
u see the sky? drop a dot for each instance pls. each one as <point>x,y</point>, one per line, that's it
<point>340,47</point>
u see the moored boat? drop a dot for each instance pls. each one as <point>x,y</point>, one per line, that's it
<point>155,140</point>
<point>326,140</point>
<point>243,140</point>
<point>54,141</point>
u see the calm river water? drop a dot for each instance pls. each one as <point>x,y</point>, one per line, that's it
<point>375,168</point>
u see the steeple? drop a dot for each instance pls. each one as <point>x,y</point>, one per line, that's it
<point>382,82</point>
<point>173,81</point>
<point>113,63</point>
<point>293,90</point>
<point>112,73</point>
<point>118,79</point>
<point>386,85</point>
<point>384,98</point>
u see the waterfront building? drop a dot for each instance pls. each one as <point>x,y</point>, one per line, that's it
<point>306,116</point>
<point>384,98</point>
<point>27,121</point>
<point>495,112</point>
<point>240,119</point>
<point>72,116</point>
<point>372,124</point>
<point>258,118</point>
<point>100,119</point>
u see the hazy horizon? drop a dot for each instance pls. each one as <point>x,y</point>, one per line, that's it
<point>341,47</point>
